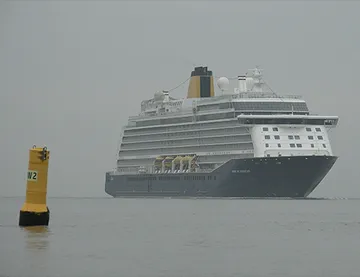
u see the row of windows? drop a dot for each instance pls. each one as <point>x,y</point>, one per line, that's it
<point>292,137</point>
<point>290,120</point>
<point>275,129</point>
<point>319,137</point>
<point>238,130</point>
<point>193,126</point>
<point>187,141</point>
<point>209,140</point>
<point>317,129</point>
<point>189,118</point>
<point>271,106</point>
<point>185,149</point>
<point>169,178</point>
<point>293,145</point>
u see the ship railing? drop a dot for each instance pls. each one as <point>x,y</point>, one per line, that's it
<point>249,95</point>
<point>187,112</point>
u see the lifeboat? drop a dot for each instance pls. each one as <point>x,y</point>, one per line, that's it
<point>158,163</point>
<point>167,162</point>
<point>176,163</point>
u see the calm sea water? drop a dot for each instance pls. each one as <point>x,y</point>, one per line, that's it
<point>183,237</point>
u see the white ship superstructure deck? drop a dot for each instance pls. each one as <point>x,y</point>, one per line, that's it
<point>201,134</point>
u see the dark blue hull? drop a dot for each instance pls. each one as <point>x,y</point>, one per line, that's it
<point>295,176</point>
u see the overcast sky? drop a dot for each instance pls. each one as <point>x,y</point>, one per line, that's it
<point>71,72</point>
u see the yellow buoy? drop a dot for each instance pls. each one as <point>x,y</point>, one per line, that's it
<point>35,212</point>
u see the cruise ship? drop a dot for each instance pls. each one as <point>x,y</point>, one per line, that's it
<point>243,142</point>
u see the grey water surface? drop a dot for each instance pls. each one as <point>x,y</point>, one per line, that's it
<point>183,237</point>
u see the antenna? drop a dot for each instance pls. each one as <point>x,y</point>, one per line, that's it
<point>257,79</point>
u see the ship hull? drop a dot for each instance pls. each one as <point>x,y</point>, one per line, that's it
<point>295,176</point>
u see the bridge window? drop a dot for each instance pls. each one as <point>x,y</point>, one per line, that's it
<point>267,137</point>
<point>277,137</point>
<point>265,129</point>
<point>324,145</point>
<point>310,137</point>
<point>289,120</point>
<point>308,129</point>
<point>270,106</point>
<point>275,129</point>
<point>320,137</point>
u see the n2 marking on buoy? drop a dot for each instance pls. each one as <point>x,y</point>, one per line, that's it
<point>32,175</point>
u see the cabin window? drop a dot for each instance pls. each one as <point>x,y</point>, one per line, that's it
<point>310,137</point>
<point>290,137</point>
<point>308,129</point>
<point>318,130</point>
<point>299,145</point>
<point>292,145</point>
<point>275,129</point>
<point>320,137</point>
<point>277,137</point>
<point>312,145</point>
<point>267,137</point>
<point>297,137</point>
<point>279,145</point>
<point>266,145</point>
<point>265,129</point>
<point>324,145</point>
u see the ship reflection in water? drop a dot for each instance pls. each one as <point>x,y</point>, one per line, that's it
<point>36,237</point>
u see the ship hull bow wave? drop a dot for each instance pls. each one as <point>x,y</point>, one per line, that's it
<point>289,177</point>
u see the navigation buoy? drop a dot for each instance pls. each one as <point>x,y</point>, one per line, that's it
<point>35,212</point>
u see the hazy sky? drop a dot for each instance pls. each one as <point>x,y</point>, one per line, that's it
<point>71,72</point>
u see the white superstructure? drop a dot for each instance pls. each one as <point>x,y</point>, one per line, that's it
<point>252,121</point>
